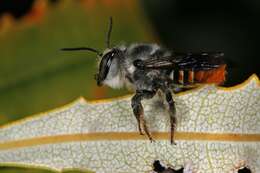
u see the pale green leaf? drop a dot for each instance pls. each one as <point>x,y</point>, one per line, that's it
<point>217,129</point>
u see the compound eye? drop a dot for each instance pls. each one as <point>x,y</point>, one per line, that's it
<point>112,54</point>
<point>109,61</point>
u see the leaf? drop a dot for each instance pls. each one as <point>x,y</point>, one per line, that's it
<point>217,128</point>
<point>33,67</point>
<point>36,76</point>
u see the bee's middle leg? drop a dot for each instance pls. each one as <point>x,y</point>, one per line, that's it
<point>139,112</point>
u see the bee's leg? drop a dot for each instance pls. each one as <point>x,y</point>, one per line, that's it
<point>172,112</point>
<point>138,110</point>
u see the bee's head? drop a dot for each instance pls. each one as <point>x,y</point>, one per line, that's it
<point>109,64</point>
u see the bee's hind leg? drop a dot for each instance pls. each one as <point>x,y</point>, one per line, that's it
<point>172,112</point>
<point>139,112</point>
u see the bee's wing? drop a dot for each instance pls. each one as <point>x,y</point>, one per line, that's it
<point>182,61</point>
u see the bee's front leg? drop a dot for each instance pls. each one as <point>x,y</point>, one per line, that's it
<point>172,111</point>
<point>139,112</point>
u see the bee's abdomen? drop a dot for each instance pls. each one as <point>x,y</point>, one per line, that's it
<point>188,77</point>
<point>216,76</point>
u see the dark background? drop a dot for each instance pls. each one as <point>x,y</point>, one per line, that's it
<point>217,25</point>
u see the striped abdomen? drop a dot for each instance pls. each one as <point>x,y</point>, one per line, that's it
<point>188,77</point>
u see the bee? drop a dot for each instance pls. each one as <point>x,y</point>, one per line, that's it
<point>149,68</point>
<point>158,168</point>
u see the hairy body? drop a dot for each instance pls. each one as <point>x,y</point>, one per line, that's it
<point>149,68</point>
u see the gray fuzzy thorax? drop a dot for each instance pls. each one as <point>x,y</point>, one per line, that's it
<point>136,78</point>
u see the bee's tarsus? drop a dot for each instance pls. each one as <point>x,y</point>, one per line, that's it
<point>172,112</point>
<point>138,110</point>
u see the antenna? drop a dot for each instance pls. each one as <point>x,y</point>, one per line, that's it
<point>81,48</point>
<point>109,32</point>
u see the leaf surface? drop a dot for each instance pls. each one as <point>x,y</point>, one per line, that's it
<point>217,128</point>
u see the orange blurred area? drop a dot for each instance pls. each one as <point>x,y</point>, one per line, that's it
<point>37,12</point>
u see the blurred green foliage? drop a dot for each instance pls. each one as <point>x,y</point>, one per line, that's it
<point>35,76</point>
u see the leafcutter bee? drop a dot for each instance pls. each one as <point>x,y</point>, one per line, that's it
<point>149,68</point>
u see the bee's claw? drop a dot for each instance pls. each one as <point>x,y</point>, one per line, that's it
<point>173,142</point>
<point>141,132</point>
<point>152,140</point>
